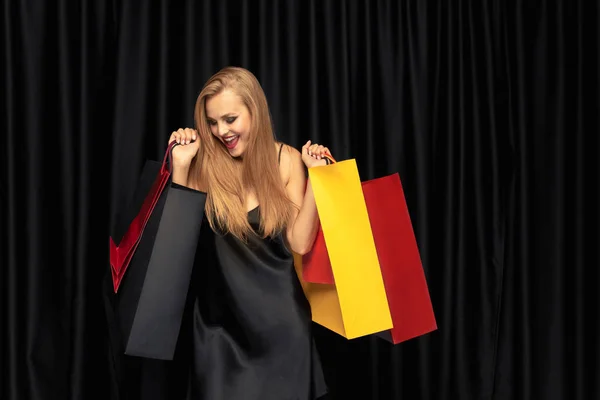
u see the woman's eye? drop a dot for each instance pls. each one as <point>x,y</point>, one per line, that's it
<point>211,123</point>
<point>230,120</point>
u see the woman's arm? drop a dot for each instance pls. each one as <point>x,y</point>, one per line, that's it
<point>303,230</point>
<point>181,171</point>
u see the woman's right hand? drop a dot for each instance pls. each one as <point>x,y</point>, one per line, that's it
<point>188,145</point>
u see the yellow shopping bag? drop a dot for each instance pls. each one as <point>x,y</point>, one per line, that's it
<point>356,305</point>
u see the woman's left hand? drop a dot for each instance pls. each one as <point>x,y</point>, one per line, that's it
<point>313,154</point>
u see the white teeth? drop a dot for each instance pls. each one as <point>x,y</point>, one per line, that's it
<point>230,139</point>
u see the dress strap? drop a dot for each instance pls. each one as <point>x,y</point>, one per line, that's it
<point>279,157</point>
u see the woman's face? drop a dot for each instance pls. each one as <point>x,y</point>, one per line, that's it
<point>229,121</point>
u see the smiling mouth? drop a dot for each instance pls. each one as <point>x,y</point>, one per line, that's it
<point>231,141</point>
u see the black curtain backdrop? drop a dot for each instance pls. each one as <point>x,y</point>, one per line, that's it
<point>487,109</point>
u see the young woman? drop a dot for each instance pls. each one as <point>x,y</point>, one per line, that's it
<point>251,323</point>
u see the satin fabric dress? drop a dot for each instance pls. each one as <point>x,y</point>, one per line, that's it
<point>250,323</point>
<point>245,333</point>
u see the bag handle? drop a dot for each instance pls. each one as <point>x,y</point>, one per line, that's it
<point>169,155</point>
<point>329,158</point>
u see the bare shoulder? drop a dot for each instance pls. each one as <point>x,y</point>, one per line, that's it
<point>288,153</point>
<point>290,161</point>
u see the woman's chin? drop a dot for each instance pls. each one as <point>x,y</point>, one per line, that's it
<point>236,152</point>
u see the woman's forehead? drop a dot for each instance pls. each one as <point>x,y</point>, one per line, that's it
<point>224,103</point>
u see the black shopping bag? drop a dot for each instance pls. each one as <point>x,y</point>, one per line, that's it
<point>150,292</point>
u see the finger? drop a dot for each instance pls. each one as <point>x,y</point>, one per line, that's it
<point>320,152</point>
<point>305,147</point>
<point>192,134</point>
<point>188,136</point>
<point>175,136</point>
<point>316,151</point>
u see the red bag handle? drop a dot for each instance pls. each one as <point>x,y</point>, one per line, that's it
<point>169,155</point>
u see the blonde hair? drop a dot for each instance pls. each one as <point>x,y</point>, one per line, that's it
<point>227,180</point>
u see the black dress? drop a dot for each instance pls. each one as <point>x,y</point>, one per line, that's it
<point>245,334</point>
<point>251,323</point>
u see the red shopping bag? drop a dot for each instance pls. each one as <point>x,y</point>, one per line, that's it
<point>399,258</point>
<point>121,254</point>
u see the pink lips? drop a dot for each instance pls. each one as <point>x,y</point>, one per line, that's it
<point>231,145</point>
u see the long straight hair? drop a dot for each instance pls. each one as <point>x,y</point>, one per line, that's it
<point>227,179</point>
